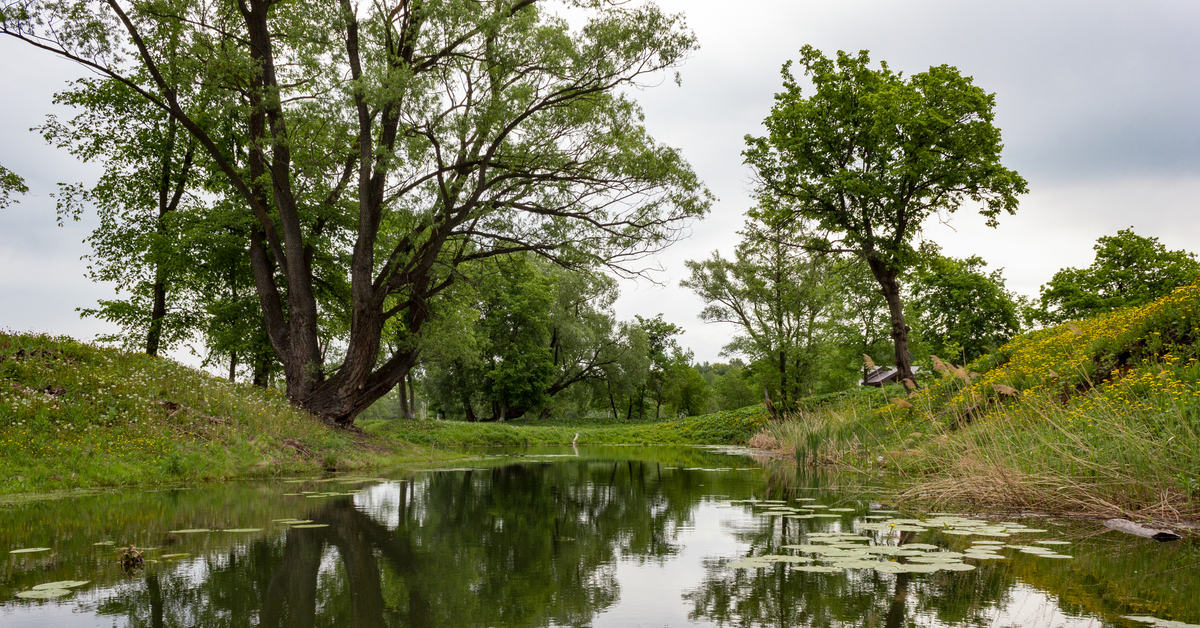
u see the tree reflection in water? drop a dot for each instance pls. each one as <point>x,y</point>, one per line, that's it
<point>539,543</point>
<point>518,545</point>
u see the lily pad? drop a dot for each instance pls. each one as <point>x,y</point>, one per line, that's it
<point>749,564</point>
<point>817,568</point>
<point>105,543</point>
<point>243,530</point>
<point>856,564</point>
<point>61,584</point>
<point>29,550</point>
<point>43,594</point>
<point>986,556</point>
<point>843,509</point>
<point>191,531</point>
<point>805,548</point>
<point>775,558</point>
<point>957,567</point>
<point>166,556</point>
<point>918,546</point>
<point>1053,542</point>
<point>310,525</point>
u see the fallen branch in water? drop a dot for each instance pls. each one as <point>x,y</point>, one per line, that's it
<point>1137,529</point>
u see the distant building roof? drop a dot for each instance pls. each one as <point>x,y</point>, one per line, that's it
<point>884,375</point>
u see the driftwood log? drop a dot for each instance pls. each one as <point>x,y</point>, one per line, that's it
<point>1137,529</point>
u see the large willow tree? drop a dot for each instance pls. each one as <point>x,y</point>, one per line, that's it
<point>402,138</point>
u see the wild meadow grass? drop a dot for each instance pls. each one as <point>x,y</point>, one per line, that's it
<point>1098,416</point>
<point>720,428</point>
<point>75,415</point>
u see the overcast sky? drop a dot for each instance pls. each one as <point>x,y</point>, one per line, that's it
<point>1098,102</point>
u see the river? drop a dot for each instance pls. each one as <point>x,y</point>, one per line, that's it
<point>594,536</point>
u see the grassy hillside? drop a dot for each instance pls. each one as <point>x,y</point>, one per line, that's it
<point>1098,416</point>
<point>75,415</point>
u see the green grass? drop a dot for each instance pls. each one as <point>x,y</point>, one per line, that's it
<point>74,415</point>
<point>1099,417</point>
<point>721,428</point>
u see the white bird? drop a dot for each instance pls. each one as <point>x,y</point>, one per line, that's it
<point>575,440</point>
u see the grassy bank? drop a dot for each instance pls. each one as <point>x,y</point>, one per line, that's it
<point>1098,416</point>
<point>74,415</point>
<point>721,428</point>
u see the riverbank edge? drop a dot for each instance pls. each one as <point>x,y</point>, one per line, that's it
<point>76,415</point>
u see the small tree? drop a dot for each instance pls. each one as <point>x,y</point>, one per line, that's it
<point>961,311</point>
<point>776,295</point>
<point>1128,270</point>
<point>872,154</point>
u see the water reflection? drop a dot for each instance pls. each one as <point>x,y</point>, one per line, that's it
<point>612,537</point>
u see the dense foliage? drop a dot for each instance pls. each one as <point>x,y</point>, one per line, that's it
<point>960,311</point>
<point>1128,270</point>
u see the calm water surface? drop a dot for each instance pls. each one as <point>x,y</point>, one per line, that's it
<point>618,536</point>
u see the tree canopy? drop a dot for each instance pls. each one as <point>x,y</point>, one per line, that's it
<point>1128,270</point>
<point>398,143</point>
<point>962,311</point>
<point>871,154</point>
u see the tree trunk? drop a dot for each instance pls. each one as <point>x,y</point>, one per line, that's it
<point>412,396</point>
<point>262,370</point>
<point>889,287</point>
<point>783,396</point>
<point>232,365</point>
<point>157,312</point>
<point>159,309</point>
<point>405,408</point>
